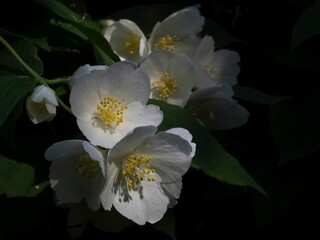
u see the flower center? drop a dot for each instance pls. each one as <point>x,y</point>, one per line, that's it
<point>136,168</point>
<point>164,87</point>
<point>42,104</point>
<point>168,43</point>
<point>131,44</point>
<point>109,113</point>
<point>85,167</point>
<point>210,69</point>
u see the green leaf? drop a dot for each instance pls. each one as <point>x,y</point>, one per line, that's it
<point>167,224</point>
<point>295,126</point>
<point>16,179</point>
<point>13,88</point>
<point>7,130</point>
<point>40,42</point>
<point>256,96</point>
<point>28,52</point>
<point>210,156</point>
<point>307,26</point>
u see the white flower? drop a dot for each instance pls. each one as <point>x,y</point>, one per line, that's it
<point>84,70</point>
<point>41,104</point>
<point>178,32</point>
<point>110,103</point>
<point>172,76</point>
<point>127,40</point>
<point>221,65</point>
<point>216,109</point>
<point>76,172</point>
<point>144,173</point>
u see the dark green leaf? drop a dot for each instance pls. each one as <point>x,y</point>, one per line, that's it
<point>256,96</point>
<point>167,224</point>
<point>295,127</point>
<point>13,88</point>
<point>152,12</point>
<point>7,130</point>
<point>40,42</point>
<point>307,26</point>
<point>36,189</point>
<point>210,157</point>
<point>16,179</point>
<point>28,52</point>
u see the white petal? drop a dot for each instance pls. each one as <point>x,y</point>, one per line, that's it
<point>124,80</point>
<point>182,71</point>
<point>44,93</point>
<point>84,95</point>
<point>84,70</point>
<point>226,62</point>
<point>171,155</point>
<point>185,134</point>
<point>94,154</point>
<point>205,49</point>
<point>98,136</point>
<point>138,115</point>
<point>173,191</point>
<point>148,204</point>
<point>108,192</point>
<point>155,65</point>
<point>36,113</point>
<point>182,23</point>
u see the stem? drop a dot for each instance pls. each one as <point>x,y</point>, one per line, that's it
<point>58,80</point>
<point>20,60</point>
<point>33,73</point>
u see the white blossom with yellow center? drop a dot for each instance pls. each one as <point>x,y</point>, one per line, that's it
<point>41,104</point>
<point>76,172</point>
<point>218,67</point>
<point>110,103</point>
<point>145,172</point>
<point>172,76</point>
<point>127,40</point>
<point>178,33</point>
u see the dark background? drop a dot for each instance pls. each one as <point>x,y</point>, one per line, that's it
<point>207,209</point>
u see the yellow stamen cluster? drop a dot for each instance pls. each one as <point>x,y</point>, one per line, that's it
<point>131,44</point>
<point>136,168</point>
<point>110,112</point>
<point>42,104</point>
<point>210,69</point>
<point>168,43</point>
<point>85,167</point>
<point>164,87</point>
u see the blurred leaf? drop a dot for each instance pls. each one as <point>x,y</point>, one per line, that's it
<point>101,44</point>
<point>82,27</point>
<point>40,42</point>
<point>307,26</point>
<point>16,179</point>
<point>13,88</point>
<point>210,156</point>
<point>295,127</point>
<point>28,52</point>
<point>63,11</point>
<point>256,96</point>
<point>221,37</point>
<point>7,130</point>
<point>167,224</point>
<point>36,189</point>
<point>152,12</point>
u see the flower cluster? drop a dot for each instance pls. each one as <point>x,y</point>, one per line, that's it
<point>124,161</point>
